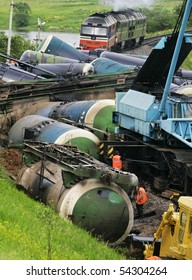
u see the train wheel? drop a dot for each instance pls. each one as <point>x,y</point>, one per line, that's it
<point>141,39</point>
<point>133,43</point>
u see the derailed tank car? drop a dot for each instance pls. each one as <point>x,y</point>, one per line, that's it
<point>95,115</point>
<point>44,129</point>
<point>113,30</point>
<point>104,210</point>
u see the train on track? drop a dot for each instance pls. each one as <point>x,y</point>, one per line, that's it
<point>113,30</point>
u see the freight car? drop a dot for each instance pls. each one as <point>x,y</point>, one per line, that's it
<point>113,30</point>
<point>44,129</point>
<point>94,115</point>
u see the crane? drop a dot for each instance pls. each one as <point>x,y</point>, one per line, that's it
<point>154,119</point>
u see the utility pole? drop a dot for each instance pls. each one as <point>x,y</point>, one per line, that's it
<point>39,30</point>
<point>10,28</point>
<point>39,25</point>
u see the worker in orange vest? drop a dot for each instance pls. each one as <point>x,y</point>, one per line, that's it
<point>141,199</point>
<point>116,161</point>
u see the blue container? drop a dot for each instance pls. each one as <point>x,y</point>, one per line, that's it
<point>55,46</point>
<point>92,113</point>
<point>105,65</point>
<point>44,129</point>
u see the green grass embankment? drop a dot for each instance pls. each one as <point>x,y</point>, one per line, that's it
<point>65,16</point>
<point>30,230</point>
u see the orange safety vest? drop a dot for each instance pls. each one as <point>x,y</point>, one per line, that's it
<point>154,258</point>
<point>117,162</point>
<point>142,196</point>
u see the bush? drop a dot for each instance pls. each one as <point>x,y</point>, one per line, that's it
<point>21,15</point>
<point>159,19</point>
<point>18,45</point>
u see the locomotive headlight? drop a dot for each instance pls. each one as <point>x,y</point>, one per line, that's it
<point>116,38</point>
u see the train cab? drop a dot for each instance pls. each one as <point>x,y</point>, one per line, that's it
<point>98,32</point>
<point>112,30</point>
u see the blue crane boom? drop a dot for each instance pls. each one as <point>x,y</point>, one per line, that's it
<point>187,13</point>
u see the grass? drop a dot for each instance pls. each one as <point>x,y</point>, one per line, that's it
<point>61,15</point>
<point>65,16</point>
<point>30,230</point>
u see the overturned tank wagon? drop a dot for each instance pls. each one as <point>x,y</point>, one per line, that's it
<point>63,69</point>
<point>89,193</point>
<point>44,129</point>
<point>125,59</point>
<point>36,57</point>
<point>106,65</point>
<point>92,114</point>
<point>55,46</point>
<point>102,209</point>
<point>9,73</point>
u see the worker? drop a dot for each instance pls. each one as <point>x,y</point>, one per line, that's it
<point>13,62</point>
<point>141,199</point>
<point>116,161</point>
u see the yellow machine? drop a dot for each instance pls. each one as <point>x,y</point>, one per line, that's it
<point>173,238</point>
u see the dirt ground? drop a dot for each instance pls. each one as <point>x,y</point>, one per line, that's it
<point>11,160</point>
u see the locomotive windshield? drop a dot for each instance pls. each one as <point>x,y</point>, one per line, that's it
<point>90,30</point>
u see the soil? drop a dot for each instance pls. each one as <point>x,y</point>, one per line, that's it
<point>11,159</point>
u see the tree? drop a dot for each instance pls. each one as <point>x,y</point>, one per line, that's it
<point>18,46</point>
<point>3,42</point>
<point>159,19</point>
<point>21,14</point>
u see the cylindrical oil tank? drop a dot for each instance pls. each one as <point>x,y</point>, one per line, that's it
<point>63,69</point>
<point>185,89</point>
<point>185,74</point>
<point>124,58</point>
<point>92,113</point>
<point>51,131</point>
<point>102,209</point>
<point>55,46</point>
<point>11,73</point>
<point>105,65</point>
<point>38,57</point>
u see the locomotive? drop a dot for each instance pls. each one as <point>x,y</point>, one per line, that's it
<point>113,30</point>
